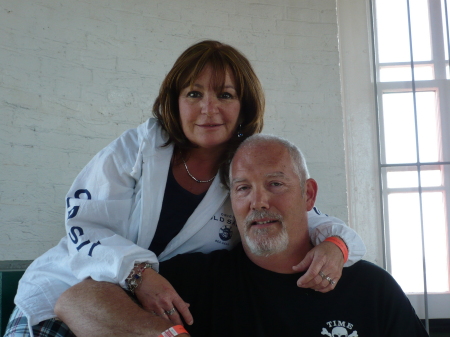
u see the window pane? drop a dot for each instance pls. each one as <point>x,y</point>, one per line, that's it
<point>403,73</point>
<point>407,178</point>
<point>420,30</point>
<point>428,126</point>
<point>431,178</point>
<point>399,128</point>
<point>404,226</point>
<point>393,30</point>
<point>436,250</point>
<point>402,179</point>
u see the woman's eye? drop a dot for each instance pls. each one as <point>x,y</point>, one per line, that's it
<point>225,95</point>
<point>193,94</point>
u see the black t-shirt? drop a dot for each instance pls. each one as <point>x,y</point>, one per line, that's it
<point>178,205</point>
<point>231,296</point>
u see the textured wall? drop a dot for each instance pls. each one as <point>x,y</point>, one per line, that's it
<point>360,131</point>
<point>75,74</point>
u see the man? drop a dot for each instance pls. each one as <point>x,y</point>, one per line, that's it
<point>252,291</point>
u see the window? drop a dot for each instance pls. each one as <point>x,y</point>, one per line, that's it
<point>413,89</point>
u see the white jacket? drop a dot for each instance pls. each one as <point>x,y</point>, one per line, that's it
<point>113,209</point>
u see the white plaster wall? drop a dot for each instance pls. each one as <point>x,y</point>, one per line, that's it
<point>74,74</point>
<point>358,98</point>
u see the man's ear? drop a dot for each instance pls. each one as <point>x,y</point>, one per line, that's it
<point>311,189</point>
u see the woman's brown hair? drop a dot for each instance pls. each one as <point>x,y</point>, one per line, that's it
<point>186,70</point>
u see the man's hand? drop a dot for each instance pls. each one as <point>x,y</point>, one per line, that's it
<point>324,263</point>
<point>103,309</point>
<point>157,296</point>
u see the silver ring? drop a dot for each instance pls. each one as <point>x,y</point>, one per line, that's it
<point>170,312</point>
<point>322,275</point>
<point>330,280</point>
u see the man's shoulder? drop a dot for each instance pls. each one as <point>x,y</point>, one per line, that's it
<point>365,265</point>
<point>368,273</point>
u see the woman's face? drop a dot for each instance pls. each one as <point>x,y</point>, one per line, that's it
<point>209,118</point>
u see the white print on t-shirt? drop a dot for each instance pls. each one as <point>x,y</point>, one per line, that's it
<point>339,329</point>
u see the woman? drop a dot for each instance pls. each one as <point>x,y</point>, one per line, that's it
<point>160,190</point>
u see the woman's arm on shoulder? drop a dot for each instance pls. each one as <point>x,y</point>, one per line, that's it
<point>324,263</point>
<point>322,226</point>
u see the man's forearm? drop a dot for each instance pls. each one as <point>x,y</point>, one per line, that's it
<point>93,308</point>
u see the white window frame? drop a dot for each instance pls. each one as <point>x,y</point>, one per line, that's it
<point>361,140</point>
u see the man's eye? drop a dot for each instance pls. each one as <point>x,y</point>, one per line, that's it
<point>241,188</point>
<point>194,94</point>
<point>275,183</point>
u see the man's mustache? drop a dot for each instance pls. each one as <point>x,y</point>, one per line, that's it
<point>258,215</point>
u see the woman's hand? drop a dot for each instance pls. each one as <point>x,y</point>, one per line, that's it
<point>324,263</point>
<point>157,296</point>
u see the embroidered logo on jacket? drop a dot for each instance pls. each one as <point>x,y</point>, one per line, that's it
<point>225,233</point>
<point>339,329</point>
<point>227,222</point>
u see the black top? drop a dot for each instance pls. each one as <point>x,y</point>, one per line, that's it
<point>178,205</point>
<point>231,296</point>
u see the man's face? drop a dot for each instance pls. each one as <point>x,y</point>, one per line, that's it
<point>267,199</point>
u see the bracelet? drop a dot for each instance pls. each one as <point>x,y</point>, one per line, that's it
<point>173,331</point>
<point>135,278</point>
<point>341,244</point>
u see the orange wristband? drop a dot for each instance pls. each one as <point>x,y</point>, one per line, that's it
<point>341,244</point>
<point>173,331</point>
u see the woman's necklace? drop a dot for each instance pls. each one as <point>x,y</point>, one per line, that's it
<point>190,175</point>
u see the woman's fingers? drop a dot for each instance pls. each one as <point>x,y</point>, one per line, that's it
<point>173,316</point>
<point>313,265</point>
<point>157,295</point>
<point>183,309</point>
<point>328,282</point>
<point>325,267</point>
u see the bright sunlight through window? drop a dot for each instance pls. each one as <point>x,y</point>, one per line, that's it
<point>414,104</point>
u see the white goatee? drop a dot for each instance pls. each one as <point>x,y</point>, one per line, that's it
<point>261,243</point>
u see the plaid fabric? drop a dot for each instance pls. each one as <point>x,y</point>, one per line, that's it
<point>18,327</point>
